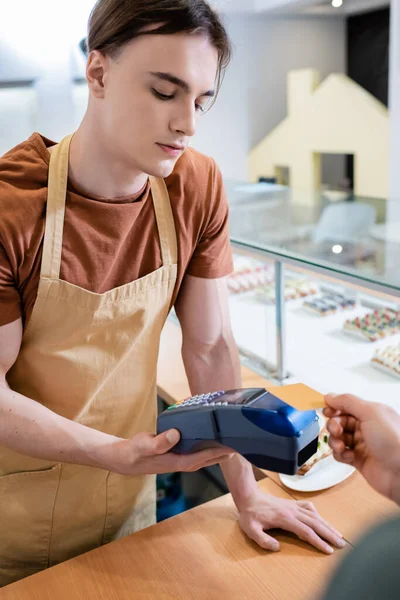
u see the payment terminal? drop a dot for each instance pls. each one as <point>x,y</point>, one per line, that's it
<point>265,430</point>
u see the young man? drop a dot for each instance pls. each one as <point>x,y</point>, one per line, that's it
<point>100,235</point>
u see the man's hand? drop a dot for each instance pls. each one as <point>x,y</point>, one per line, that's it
<point>366,435</point>
<point>261,512</point>
<point>150,454</point>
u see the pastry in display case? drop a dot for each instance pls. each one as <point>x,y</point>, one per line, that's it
<point>374,326</point>
<point>388,360</point>
<point>249,275</point>
<point>294,288</point>
<point>329,304</point>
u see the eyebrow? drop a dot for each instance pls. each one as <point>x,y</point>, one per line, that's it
<point>179,82</point>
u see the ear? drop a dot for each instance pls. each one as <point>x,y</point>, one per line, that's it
<point>95,72</point>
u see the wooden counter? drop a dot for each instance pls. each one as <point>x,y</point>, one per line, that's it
<point>202,554</point>
<point>352,505</point>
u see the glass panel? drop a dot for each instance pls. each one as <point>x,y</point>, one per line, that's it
<point>252,308</point>
<point>339,337</point>
<point>349,235</point>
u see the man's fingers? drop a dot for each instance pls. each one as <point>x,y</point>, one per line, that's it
<point>264,540</point>
<point>334,427</point>
<point>346,456</point>
<point>337,445</point>
<point>326,523</point>
<point>348,440</point>
<point>337,425</point>
<point>329,413</point>
<point>307,534</point>
<point>340,446</point>
<point>203,458</point>
<point>325,531</point>
<point>164,442</point>
<point>209,463</point>
<point>347,404</point>
<point>307,505</point>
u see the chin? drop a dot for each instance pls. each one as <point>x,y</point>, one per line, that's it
<point>163,169</point>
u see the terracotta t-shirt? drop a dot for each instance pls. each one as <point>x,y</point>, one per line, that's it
<point>106,243</point>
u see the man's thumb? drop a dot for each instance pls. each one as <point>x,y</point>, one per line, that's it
<point>166,440</point>
<point>347,404</point>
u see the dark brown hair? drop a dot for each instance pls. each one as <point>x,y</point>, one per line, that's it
<point>115,23</point>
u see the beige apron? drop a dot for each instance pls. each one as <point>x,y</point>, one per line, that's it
<point>91,358</point>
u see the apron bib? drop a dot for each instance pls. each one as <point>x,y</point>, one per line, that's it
<point>91,358</point>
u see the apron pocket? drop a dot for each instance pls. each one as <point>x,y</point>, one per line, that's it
<point>27,502</point>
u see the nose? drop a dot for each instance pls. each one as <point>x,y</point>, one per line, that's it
<point>185,122</point>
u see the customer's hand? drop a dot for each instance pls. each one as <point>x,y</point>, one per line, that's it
<point>367,436</point>
<point>150,454</point>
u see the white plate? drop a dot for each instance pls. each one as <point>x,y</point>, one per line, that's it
<point>325,474</point>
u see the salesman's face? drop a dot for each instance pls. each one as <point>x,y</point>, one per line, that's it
<point>151,96</point>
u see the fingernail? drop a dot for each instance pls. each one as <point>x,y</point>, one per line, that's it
<point>341,543</point>
<point>329,550</point>
<point>173,436</point>
<point>275,548</point>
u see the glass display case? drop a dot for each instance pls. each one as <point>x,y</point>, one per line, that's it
<point>315,296</point>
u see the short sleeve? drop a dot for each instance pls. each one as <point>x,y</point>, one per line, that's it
<point>10,301</point>
<point>212,257</point>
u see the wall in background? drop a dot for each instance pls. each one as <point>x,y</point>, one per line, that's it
<point>18,110</point>
<point>338,116</point>
<point>252,100</point>
<point>35,44</point>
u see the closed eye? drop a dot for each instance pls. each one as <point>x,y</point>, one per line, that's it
<point>167,97</point>
<point>163,96</point>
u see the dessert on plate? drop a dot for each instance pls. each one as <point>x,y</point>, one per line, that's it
<point>323,451</point>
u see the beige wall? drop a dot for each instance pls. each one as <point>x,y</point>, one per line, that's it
<point>336,117</point>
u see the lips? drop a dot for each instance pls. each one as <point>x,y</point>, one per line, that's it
<point>171,150</point>
<point>173,146</point>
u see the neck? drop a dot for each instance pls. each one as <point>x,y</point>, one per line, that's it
<point>98,170</point>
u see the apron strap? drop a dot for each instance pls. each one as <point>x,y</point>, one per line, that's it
<point>165,221</point>
<point>55,210</point>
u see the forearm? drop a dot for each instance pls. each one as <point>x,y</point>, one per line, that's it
<point>29,428</point>
<point>214,368</point>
